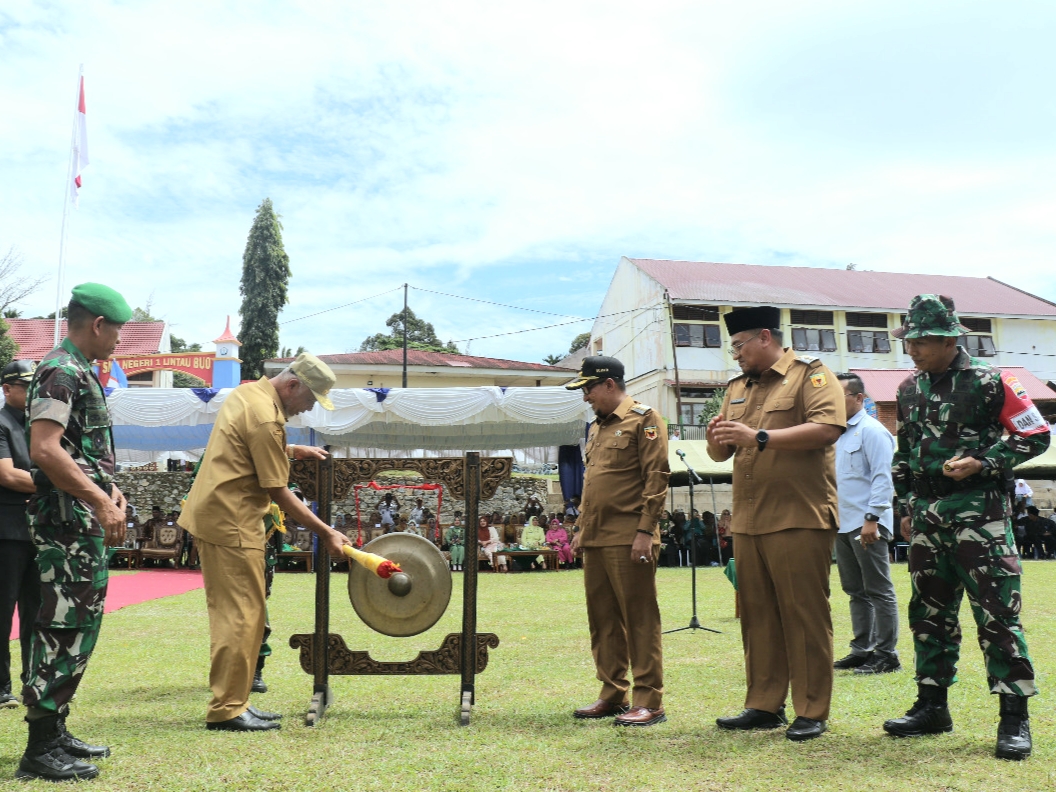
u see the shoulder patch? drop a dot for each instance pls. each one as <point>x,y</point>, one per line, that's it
<point>641,409</point>
<point>818,380</point>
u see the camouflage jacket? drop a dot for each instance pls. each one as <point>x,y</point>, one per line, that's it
<point>65,390</point>
<point>959,413</point>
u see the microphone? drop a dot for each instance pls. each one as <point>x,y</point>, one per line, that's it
<point>681,454</point>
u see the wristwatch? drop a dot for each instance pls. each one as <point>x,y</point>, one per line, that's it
<point>988,468</point>
<point>762,437</point>
<point>870,517</point>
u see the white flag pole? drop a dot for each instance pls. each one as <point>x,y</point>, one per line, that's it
<point>67,198</point>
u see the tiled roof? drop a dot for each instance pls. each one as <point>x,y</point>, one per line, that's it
<point>35,337</point>
<point>882,384</point>
<point>752,284</point>
<point>417,357</point>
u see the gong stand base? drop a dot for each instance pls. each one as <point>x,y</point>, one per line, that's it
<point>342,661</point>
<point>321,699</point>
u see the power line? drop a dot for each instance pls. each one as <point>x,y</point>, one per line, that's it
<point>338,307</point>
<point>548,327</point>
<point>501,305</point>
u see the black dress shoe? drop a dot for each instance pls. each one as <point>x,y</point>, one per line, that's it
<point>263,714</point>
<point>754,719</point>
<point>879,664</point>
<point>852,661</point>
<point>805,729</point>
<point>244,722</point>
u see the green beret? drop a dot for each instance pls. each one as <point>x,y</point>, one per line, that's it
<point>102,301</point>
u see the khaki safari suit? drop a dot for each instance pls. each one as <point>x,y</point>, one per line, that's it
<point>785,518</point>
<point>225,512</point>
<point>624,488</point>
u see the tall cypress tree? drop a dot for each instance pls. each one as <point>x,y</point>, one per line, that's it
<point>265,275</point>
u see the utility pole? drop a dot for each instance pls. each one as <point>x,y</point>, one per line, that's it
<point>405,335</point>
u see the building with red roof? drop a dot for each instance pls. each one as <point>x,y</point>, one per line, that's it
<point>36,338</point>
<point>384,369</point>
<point>663,320</point>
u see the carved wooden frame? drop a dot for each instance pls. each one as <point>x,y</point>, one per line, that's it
<point>323,653</point>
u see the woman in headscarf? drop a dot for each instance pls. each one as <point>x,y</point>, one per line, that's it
<point>557,539</point>
<point>488,538</point>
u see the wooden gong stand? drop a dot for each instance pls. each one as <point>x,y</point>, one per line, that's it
<point>323,653</point>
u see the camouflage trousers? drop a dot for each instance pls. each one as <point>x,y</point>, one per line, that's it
<point>72,561</point>
<point>947,560</point>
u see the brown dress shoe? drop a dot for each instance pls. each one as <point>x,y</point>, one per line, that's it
<point>600,709</point>
<point>641,716</point>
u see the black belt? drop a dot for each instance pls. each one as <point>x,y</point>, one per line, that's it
<point>941,486</point>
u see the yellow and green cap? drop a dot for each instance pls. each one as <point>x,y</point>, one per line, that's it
<point>930,315</point>
<point>316,376</point>
<point>102,301</point>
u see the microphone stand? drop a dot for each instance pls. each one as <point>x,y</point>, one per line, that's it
<point>694,622</point>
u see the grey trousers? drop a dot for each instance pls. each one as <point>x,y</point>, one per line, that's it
<point>865,575</point>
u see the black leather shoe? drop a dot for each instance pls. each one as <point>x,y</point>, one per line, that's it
<point>263,714</point>
<point>258,685</point>
<point>1013,732</point>
<point>46,760</point>
<point>754,719</point>
<point>805,729</point>
<point>925,717</point>
<point>879,664</point>
<point>74,747</point>
<point>852,661</point>
<point>244,722</point>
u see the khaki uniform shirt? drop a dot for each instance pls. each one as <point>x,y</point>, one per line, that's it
<point>777,490</point>
<point>246,455</point>
<point>625,483</point>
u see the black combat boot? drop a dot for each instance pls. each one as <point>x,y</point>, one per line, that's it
<point>258,685</point>
<point>44,757</point>
<point>929,715</point>
<point>1013,732</point>
<point>75,747</point>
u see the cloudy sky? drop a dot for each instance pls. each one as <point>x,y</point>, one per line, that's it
<point>513,152</point>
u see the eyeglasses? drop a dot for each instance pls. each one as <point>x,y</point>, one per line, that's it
<point>735,347</point>
<point>593,385</point>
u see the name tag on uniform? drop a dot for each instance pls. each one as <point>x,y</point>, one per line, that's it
<point>738,401</point>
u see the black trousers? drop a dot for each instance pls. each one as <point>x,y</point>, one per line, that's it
<point>19,587</point>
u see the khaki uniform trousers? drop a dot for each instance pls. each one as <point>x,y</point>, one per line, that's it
<point>234,597</point>
<point>624,620</point>
<point>786,622</point>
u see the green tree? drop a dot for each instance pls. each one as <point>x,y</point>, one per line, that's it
<point>12,313</point>
<point>711,406</point>
<point>181,379</point>
<point>579,342</point>
<point>420,335</point>
<point>265,277</point>
<point>553,360</point>
<point>8,346</point>
<point>287,352</point>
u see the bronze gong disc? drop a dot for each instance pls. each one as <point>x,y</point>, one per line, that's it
<point>409,602</point>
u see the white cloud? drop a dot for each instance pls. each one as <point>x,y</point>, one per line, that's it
<point>513,153</point>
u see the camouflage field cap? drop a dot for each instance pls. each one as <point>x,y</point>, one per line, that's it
<point>930,315</point>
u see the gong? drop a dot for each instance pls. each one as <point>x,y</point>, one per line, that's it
<point>409,602</point>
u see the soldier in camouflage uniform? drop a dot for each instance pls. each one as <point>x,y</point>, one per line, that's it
<point>949,473</point>
<point>75,514</point>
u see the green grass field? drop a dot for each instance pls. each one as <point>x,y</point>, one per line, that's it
<point>146,690</point>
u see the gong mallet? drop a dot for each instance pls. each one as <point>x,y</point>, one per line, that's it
<point>382,567</point>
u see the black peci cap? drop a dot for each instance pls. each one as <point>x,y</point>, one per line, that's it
<point>595,369</point>
<point>761,317</point>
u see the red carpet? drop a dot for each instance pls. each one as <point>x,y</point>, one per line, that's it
<point>142,586</point>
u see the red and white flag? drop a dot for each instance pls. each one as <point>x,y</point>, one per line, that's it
<point>80,147</point>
